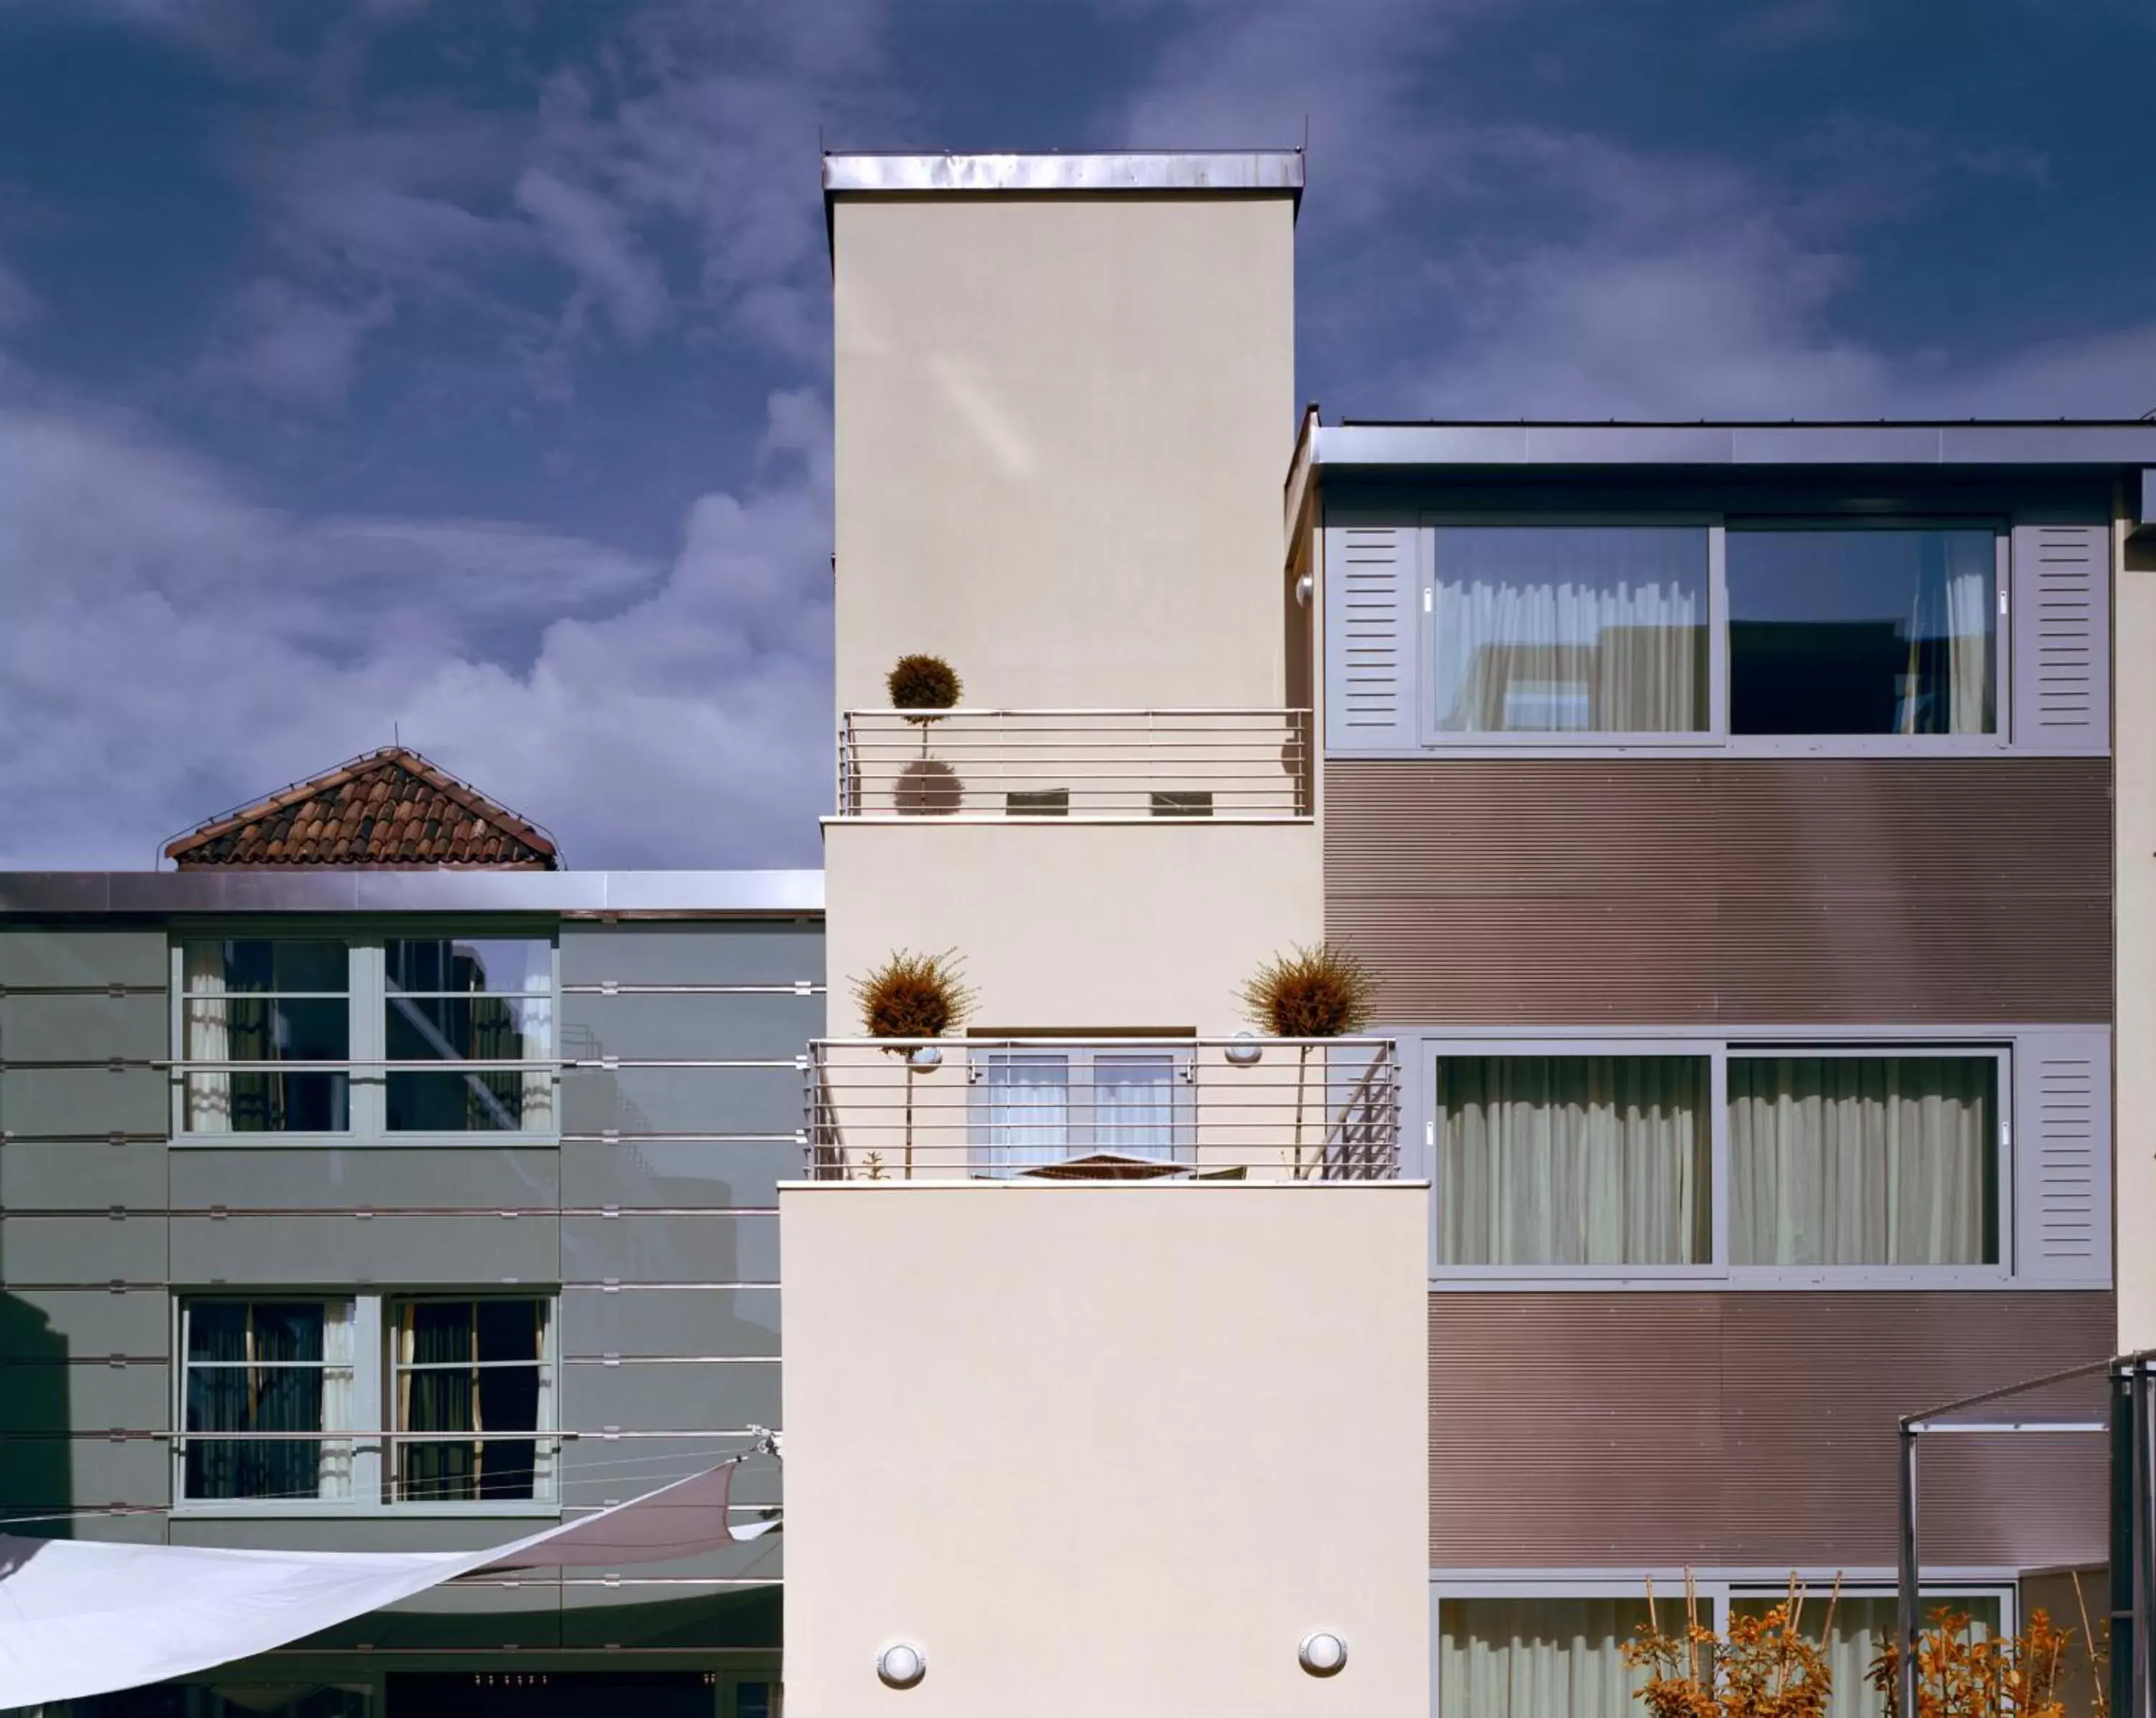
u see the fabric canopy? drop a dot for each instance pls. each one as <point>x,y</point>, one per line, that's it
<point>77,1617</point>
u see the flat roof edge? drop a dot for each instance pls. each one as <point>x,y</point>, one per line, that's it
<point>2000,442</point>
<point>1195,172</point>
<point>254,889</point>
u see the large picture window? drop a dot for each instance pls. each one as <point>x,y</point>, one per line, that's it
<point>272,1369</point>
<point>1856,1160</point>
<point>251,1006</point>
<point>1574,1160</point>
<point>1570,629</point>
<point>1880,631</point>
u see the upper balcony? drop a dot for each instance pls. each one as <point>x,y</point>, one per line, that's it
<point>1099,765</point>
<point>1103,1109</point>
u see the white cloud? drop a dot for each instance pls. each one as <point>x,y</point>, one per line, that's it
<point>594,240</point>
<point>292,345</point>
<point>172,649</point>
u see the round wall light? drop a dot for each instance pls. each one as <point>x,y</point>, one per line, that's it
<point>1323,1654</point>
<point>901,1666</point>
<point>924,1056</point>
<point>1244,1051</point>
<point>1303,588</point>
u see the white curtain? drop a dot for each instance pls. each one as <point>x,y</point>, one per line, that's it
<point>1862,1627</point>
<point>1574,1160</point>
<point>1133,1103</point>
<point>208,1038</point>
<point>1028,1120</point>
<point>1570,629</point>
<point>1843,1161</point>
<point>340,1363</point>
<point>1946,686</point>
<point>1538,1658</point>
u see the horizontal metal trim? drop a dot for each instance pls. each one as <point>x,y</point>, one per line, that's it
<point>115,991</point>
<point>1527,750</point>
<point>1025,819</point>
<point>630,1139</point>
<point>325,889</point>
<point>620,987</point>
<point>369,1213</point>
<point>1194,171</point>
<point>2100,444</point>
<point>671,1360</point>
<point>611,1434</point>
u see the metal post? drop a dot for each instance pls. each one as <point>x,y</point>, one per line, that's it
<point>1906,1607</point>
<point>2144,1545</point>
<point>2125,1535</point>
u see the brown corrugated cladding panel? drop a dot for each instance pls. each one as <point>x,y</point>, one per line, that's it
<point>1870,890</point>
<point>1753,1428</point>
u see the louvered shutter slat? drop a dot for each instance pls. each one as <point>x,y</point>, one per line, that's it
<point>1369,695</point>
<point>2062,1154</point>
<point>2061,620</point>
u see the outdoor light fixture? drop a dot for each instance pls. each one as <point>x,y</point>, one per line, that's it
<point>1322,1654</point>
<point>924,1056</point>
<point>1245,1050</point>
<point>902,1666</point>
<point>1303,587</point>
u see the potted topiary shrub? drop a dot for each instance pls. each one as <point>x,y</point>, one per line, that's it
<point>913,996</point>
<point>921,687</point>
<point>1318,992</point>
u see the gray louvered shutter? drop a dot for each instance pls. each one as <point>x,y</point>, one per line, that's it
<point>2062,1157</point>
<point>2061,620</point>
<point>1370,642</point>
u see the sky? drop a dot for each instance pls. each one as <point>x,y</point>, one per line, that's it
<point>459,372</point>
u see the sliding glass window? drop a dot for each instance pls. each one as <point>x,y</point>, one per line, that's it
<point>1870,631</point>
<point>1574,1160</point>
<point>1864,1160</point>
<point>1569,629</point>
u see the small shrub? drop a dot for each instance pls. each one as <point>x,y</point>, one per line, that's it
<point>1321,992</point>
<point>1961,1674</point>
<point>920,683</point>
<point>913,996</point>
<point>927,787</point>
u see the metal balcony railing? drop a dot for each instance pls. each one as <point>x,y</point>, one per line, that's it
<point>1314,1109</point>
<point>1075,764</point>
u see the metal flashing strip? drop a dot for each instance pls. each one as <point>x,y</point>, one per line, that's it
<point>1208,171</point>
<point>582,893</point>
<point>1527,445</point>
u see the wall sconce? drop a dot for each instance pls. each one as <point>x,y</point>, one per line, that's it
<point>1245,1052</point>
<point>1323,1654</point>
<point>1304,587</point>
<point>902,1666</point>
<point>923,1058</point>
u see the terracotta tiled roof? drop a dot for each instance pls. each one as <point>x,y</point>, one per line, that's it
<point>389,808</point>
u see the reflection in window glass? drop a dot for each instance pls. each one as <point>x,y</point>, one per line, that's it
<point>1865,631</point>
<point>1863,1160</point>
<point>1573,1160</point>
<point>1864,1626</point>
<point>1537,1658</point>
<point>263,1366</point>
<point>250,1001</point>
<point>452,999</point>
<point>1570,629</point>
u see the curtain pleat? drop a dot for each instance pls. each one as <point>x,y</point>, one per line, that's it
<point>1537,1658</point>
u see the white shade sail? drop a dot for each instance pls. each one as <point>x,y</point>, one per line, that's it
<point>79,1618</point>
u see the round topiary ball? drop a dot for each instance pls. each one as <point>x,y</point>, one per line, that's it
<point>920,683</point>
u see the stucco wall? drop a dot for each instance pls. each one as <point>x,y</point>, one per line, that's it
<point>1061,425</point>
<point>1075,926</point>
<point>2133,739</point>
<point>1106,1448</point>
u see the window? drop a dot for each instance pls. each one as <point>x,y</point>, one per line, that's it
<point>251,1004</point>
<point>1857,1160</point>
<point>1034,1108</point>
<point>457,1000</point>
<point>1879,631</point>
<point>365,1035</point>
<point>1570,629</point>
<point>1537,1658</point>
<point>1574,1160</point>
<point>264,1367</point>
<point>1864,1625</point>
<point>472,1382</point>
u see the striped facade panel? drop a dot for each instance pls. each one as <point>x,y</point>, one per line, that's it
<point>1723,891</point>
<point>1753,1429</point>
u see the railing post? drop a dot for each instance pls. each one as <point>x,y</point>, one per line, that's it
<point>1906,1598</point>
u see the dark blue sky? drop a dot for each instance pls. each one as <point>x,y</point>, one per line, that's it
<point>464,366</point>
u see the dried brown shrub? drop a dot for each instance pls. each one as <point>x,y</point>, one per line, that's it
<point>1963,1674</point>
<point>913,996</point>
<point>1765,1668</point>
<point>927,787</point>
<point>921,682</point>
<point>1320,992</point>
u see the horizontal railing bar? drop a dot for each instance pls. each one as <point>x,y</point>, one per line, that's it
<point>1004,712</point>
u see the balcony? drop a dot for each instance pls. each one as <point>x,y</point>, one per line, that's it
<point>1100,765</point>
<point>1097,1108</point>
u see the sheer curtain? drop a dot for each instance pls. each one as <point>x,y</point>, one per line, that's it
<point>1946,686</point>
<point>1570,629</point>
<point>1537,1658</point>
<point>209,1096</point>
<point>1841,1160</point>
<point>340,1377</point>
<point>1574,1160</point>
<point>1133,1102</point>
<point>1028,1120</point>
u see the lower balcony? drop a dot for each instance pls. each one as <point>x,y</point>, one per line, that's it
<point>1102,1108</point>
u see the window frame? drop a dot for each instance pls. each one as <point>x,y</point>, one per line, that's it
<point>371,1434</point>
<point>1429,1045</point>
<point>1716,739</point>
<point>184,1366</point>
<point>1079,1063</point>
<point>366,988</point>
<point>548,1365</point>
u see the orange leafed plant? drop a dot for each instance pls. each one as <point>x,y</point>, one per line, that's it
<point>1764,1668</point>
<point>1961,1674</point>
